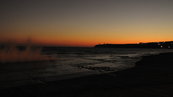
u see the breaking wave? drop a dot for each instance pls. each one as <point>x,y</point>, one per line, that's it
<point>10,53</point>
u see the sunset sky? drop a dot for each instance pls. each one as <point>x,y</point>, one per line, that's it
<point>86,22</point>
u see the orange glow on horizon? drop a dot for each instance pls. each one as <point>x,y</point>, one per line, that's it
<point>87,39</point>
<point>75,43</point>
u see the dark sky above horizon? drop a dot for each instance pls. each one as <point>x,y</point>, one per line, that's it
<point>87,22</point>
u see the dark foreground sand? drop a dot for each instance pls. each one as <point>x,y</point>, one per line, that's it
<point>152,77</point>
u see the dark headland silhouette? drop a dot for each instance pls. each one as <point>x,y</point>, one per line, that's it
<point>166,44</point>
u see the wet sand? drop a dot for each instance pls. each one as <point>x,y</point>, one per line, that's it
<point>151,77</point>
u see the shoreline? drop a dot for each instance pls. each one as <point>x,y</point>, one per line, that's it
<point>151,77</point>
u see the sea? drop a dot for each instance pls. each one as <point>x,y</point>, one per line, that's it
<point>72,62</point>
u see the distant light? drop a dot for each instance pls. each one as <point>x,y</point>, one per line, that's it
<point>161,46</point>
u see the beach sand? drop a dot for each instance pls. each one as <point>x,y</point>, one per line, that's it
<point>151,77</point>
